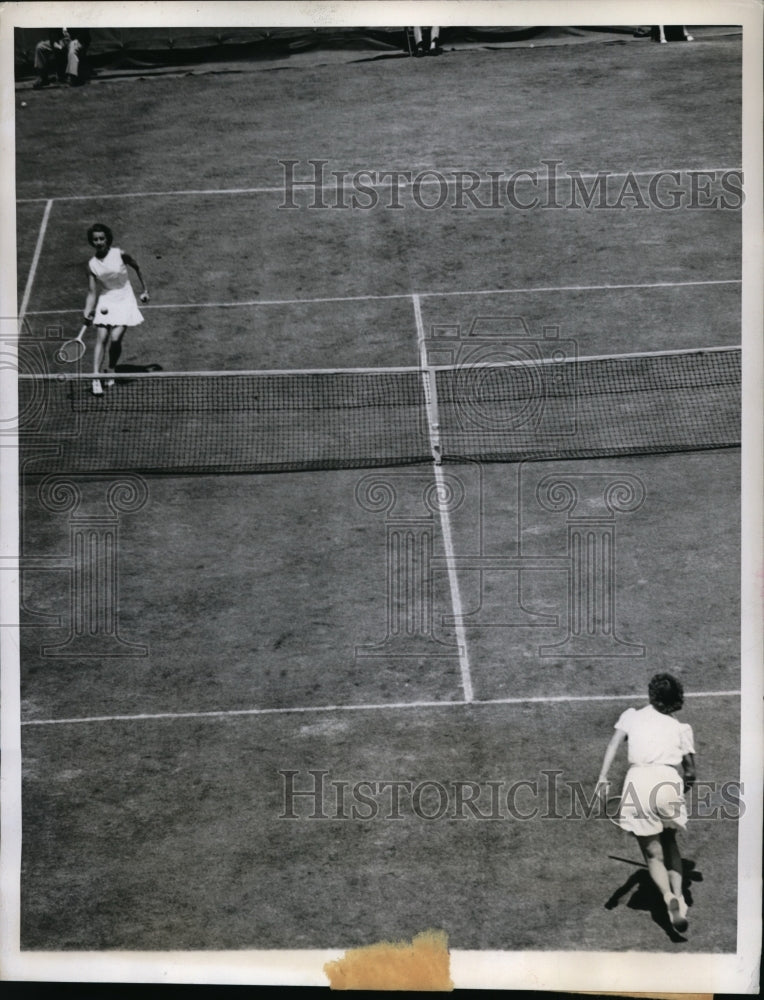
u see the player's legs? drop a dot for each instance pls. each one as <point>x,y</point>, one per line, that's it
<point>102,336</point>
<point>73,61</point>
<point>115,345</point>
<point>652,851</point>
<point>44,62</point>
<point>673,861</point>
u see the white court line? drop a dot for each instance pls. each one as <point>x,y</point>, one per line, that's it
<point>35,260</point>
<point>395,706</point>
<point>445,523</point>
<point>586,288</point>
<point>422,295</point>
<point>536,175</point>
<point>246,304</point>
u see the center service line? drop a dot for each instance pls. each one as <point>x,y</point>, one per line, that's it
<point>432,422</point>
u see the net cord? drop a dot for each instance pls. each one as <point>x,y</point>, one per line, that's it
<point>422,368</point>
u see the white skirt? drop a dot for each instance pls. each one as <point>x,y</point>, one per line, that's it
<point>652,800</point>
<point>117,307</point>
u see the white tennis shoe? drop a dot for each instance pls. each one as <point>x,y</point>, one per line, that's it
<point>677,918</point>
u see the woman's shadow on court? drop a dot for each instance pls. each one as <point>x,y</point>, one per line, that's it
<point>126,370</point>
<point>644,895</point>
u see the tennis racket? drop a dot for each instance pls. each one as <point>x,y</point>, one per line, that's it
<point>72,350</point>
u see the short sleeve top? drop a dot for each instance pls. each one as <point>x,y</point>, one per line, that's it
<point>655,738</point>
<point>110,270</point>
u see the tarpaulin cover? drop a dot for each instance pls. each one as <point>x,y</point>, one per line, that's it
<point>136,48</point>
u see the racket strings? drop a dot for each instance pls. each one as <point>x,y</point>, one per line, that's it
<point>70,351</point>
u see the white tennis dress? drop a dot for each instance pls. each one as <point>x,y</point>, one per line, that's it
<point>116,304</point>
<point>653,790</point>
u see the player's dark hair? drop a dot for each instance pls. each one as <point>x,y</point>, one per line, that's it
<point>666,693</point>
<point>99,228</point>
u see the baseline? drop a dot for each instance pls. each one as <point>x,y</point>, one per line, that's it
<point>527,175</point>
<point>397,706</point>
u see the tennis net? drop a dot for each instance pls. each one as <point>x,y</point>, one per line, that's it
<point>267,421</point>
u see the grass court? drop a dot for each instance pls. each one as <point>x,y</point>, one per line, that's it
<point>254,610</point>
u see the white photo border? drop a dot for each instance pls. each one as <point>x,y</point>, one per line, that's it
<point>548,970</point>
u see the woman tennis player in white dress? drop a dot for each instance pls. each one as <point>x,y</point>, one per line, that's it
<point>661,769</point>
<point>111,304</point>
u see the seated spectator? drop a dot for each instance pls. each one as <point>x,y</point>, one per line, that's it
<point>670,33</point>
<point>419,45</point>
<point>61,55</point>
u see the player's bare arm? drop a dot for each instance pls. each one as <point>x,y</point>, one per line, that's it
<point>90,301</point>
<point>688,767</point>
<point>612,749</point>
<point>131,262</point>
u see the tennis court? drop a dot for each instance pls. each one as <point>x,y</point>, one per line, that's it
<point>191,641</point>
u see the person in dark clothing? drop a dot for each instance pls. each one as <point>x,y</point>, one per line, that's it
<point>62,55</point>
